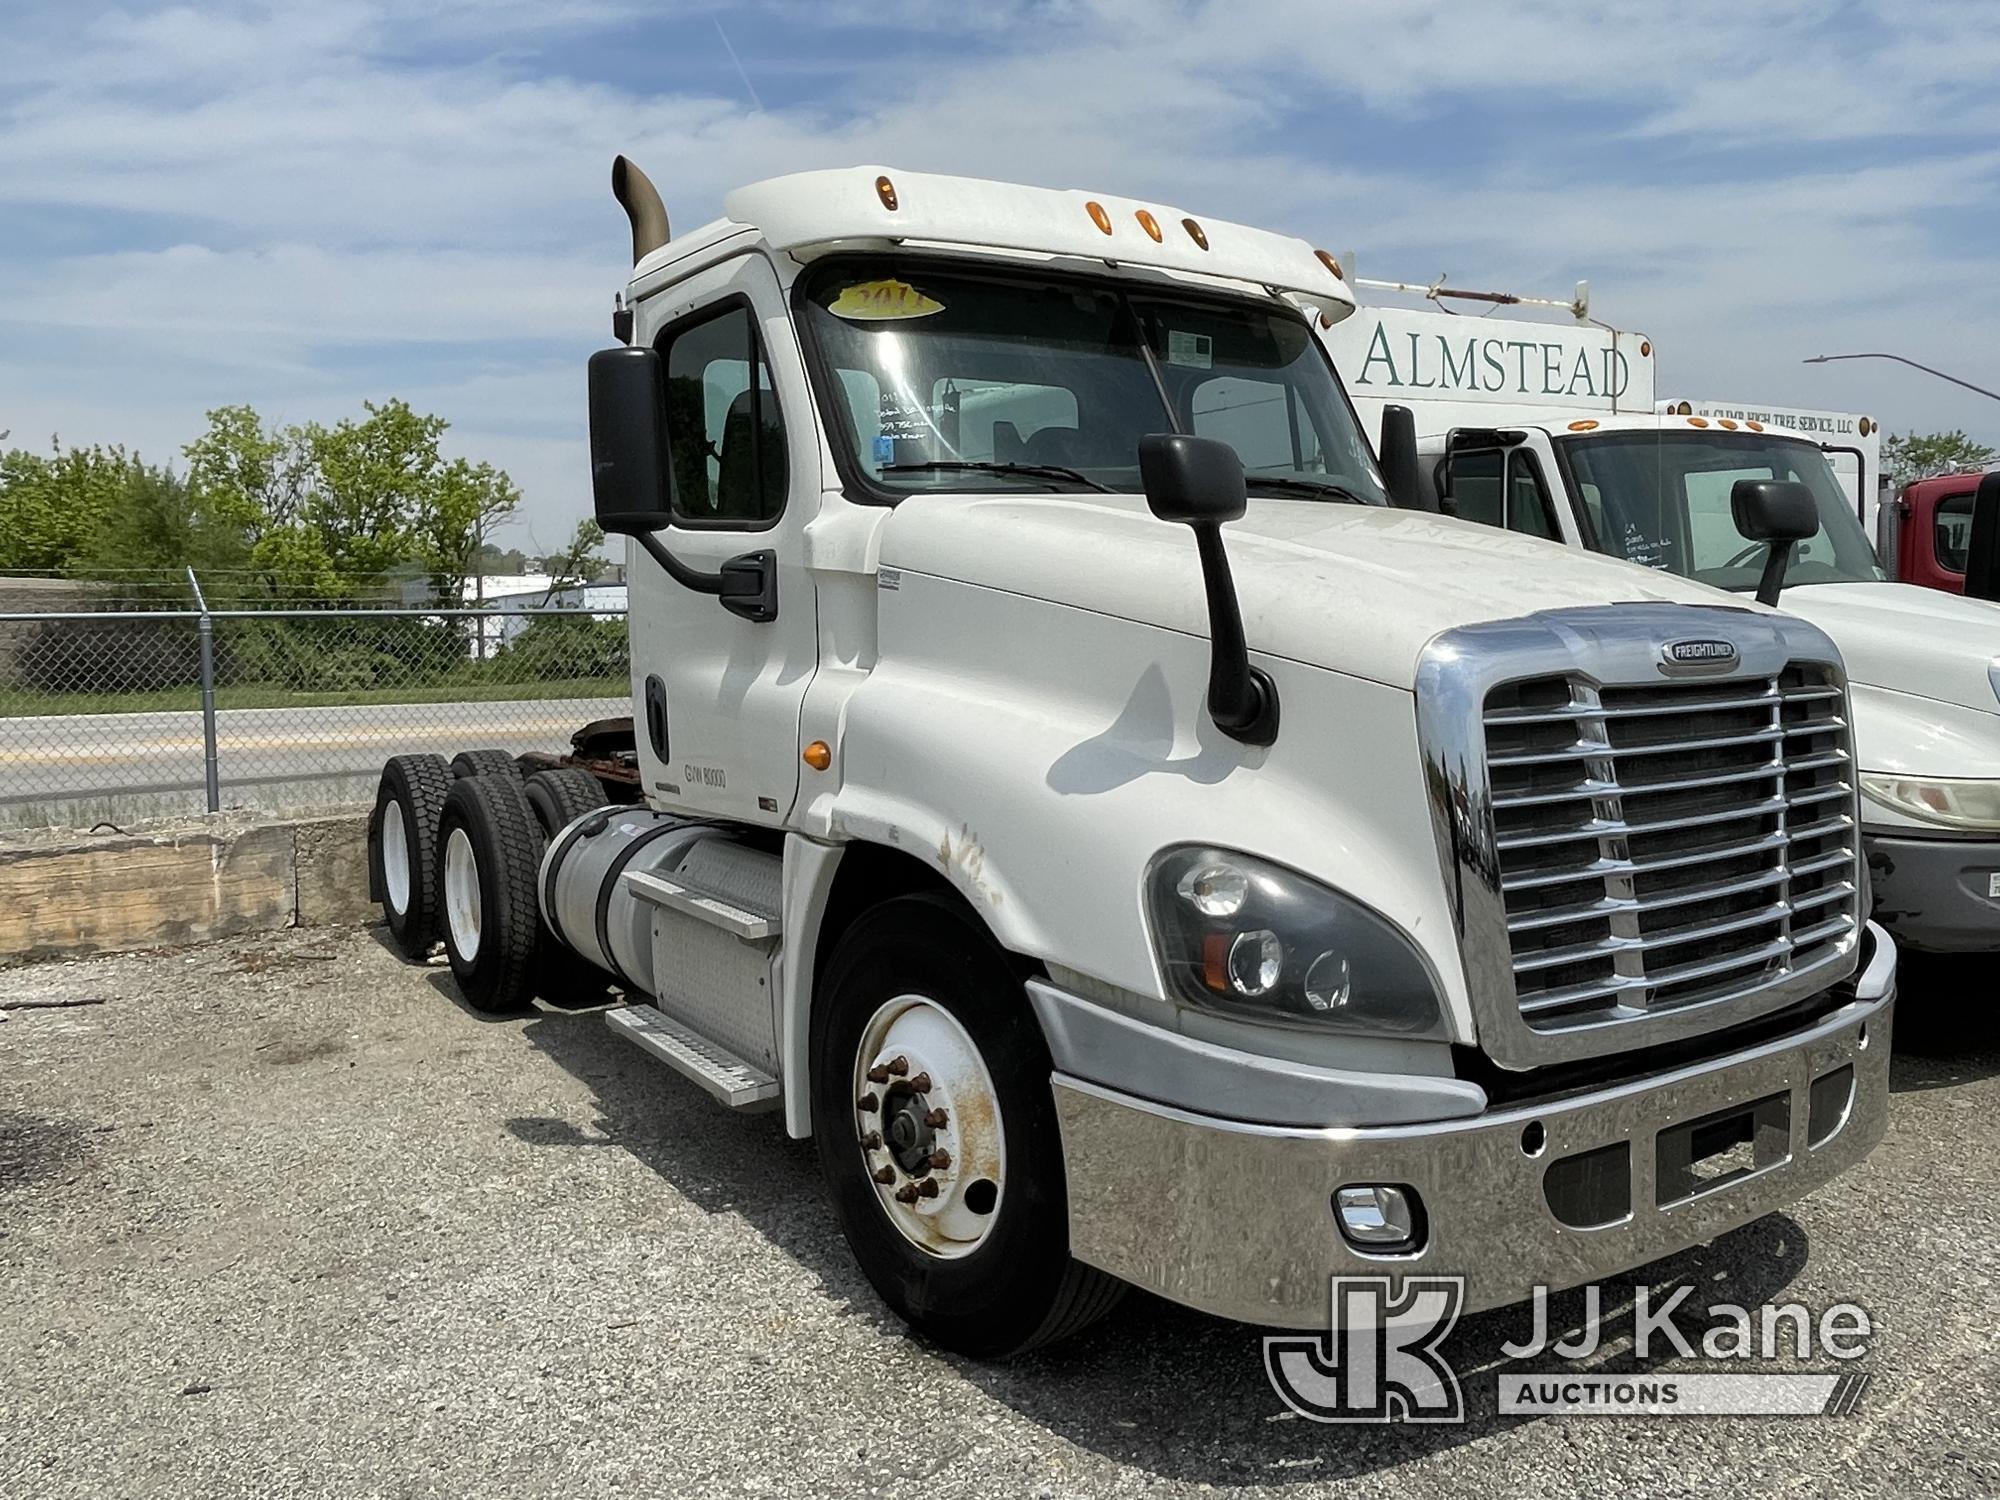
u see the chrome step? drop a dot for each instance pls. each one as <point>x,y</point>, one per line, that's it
<point>722,1074</point>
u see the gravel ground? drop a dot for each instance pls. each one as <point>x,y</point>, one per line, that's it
<point>279,1217</point>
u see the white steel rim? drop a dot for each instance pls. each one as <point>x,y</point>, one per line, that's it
<point>914,1041</point>
<point>461,894</point>
<point>396,857</point>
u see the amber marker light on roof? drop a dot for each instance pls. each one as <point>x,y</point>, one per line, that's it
<point>1584,426</point>
<point>1330,263</point>
<point>1753,426</point>
<point>1645,348</point>
<point>818,755</point>
<point>1150,224</point>
<point>1685,409</point>
<point>1725,422</point>
<point>1864,427</point>
<point>1195,232</point>
<point>886,191</point>
<point>1697,421</point>
<point>1098,216</point>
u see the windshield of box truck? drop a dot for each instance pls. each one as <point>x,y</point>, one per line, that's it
<point>960,379</point>
<point>1662,499</point>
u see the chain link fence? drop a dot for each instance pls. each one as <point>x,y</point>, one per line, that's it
<point>113,714</point>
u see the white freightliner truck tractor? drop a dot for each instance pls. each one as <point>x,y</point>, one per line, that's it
<point>1131,850</point>
<point>1550,432</point>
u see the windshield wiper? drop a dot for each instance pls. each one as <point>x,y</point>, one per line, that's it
<point>1026,471</point>
<point>1305,487</point>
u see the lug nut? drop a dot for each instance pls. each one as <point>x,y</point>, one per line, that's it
<point>868,1104</point>
<point>921,1084</point>
<point>899,1065</point>
<point>884,1175</point>
<point>907,1193</point>
<point>872,1141</point>
<point>940,1159</point>
<point>928,1188</point>
<point>935,1119</point>
<point>878,1074</point>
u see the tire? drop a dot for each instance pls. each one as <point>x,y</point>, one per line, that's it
<point>403,849</point>
<point>485,763</point>
<point>558,797</point>
<point>995,1290</point>
<point>561,796</point>
<point>489,850</point>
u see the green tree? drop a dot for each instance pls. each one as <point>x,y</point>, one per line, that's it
<point>51,508</point>
<point>1909,456</point>
<point>461,503</point>
<point>578,563</point>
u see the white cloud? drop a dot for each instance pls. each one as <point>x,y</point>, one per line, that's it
<point>351,199</point>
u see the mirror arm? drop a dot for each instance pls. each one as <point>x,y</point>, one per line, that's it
<point>1775,566</point>
<point>1242,699</point>
<point>680,572</point>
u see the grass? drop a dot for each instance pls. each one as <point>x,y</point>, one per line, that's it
<point>16,704</point>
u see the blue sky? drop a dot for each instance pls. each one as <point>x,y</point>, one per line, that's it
<point>305,206</point>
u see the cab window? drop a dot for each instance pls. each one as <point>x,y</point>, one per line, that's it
<point>724,431</point>
<point>1953,528</point>
<point>1502,487</point>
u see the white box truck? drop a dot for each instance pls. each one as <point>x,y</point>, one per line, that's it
<point>1130,849</point>
<point>1546,457</point>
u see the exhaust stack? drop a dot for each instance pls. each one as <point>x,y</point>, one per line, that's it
<point>641,202</point>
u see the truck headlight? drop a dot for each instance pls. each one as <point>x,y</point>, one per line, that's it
<point>1968,805</point>
<point>1252,939</point>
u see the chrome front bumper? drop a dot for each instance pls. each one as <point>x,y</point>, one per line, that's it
<point>1236,1219</point>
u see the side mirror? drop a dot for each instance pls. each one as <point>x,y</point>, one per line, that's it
<point>1781,512</point>
<point>1982,557</point>
<point>628,481</point>
<point>1192,480</point>
<point>1198,482</point>
<point>628,440</point>
<point>1398,457</point>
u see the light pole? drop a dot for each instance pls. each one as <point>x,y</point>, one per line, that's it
<point>1820,359</point>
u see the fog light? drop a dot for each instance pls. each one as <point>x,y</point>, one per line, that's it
<point>1377,1216</point>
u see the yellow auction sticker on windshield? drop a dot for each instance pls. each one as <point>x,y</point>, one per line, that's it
<point>882,301</point>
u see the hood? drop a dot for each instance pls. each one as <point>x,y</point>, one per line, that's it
<point>1355,588</point>
<point>1904,639</point>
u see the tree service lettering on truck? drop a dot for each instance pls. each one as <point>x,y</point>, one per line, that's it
<point>1136,853</point>
<point>1660,490</point>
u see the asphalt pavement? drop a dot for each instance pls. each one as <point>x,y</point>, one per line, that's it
<point>279,1217</point>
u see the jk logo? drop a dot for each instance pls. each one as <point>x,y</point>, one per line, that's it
<point>1379,1359</point>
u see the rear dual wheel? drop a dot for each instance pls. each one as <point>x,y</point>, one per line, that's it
<point>490,850</point>
<point>403,848</point>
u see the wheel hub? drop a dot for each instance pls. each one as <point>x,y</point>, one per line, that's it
<point>929,1126</point>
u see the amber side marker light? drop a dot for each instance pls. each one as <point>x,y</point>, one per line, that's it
<point>1864,427</point>
<point>1330,263</point>
<point>1753,426</point>
<point>1098,216</point>
<point>1586,425</point>
<point>1685,409</point>
<point>886,191</point>
<point>1725,423</point>
<point>1645,348</point>
<point>818,755</point>
<point>1697,421</point>
<point>1150,224</point>
<point>1195,232</point>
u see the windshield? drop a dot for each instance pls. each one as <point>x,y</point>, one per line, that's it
<point>1662,500</point>
<point>972,379</point>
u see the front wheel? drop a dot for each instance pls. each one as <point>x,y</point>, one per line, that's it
<point>937,1134</point>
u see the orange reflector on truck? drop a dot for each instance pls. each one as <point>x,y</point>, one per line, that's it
<point>1584,426</point>
<point>1195,232</point>
<point>1098,216</point>
<point>1150,224</point>
<point>886,191</point>
<point>818,755</point>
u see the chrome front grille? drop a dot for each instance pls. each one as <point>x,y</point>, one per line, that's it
<point>1669,844</point>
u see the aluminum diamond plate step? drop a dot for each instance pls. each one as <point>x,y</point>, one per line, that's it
<point>727,1077</point>
<point>679,894</point>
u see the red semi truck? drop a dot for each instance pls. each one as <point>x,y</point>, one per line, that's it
<point>1932,535</point>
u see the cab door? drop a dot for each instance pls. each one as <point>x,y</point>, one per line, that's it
<point>717,693</point>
